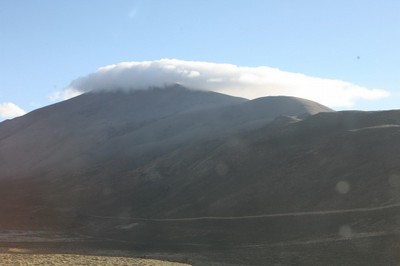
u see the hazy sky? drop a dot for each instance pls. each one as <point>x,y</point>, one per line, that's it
<point>46,44</point>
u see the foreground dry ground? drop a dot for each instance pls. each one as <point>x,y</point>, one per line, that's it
<point>68,259</point>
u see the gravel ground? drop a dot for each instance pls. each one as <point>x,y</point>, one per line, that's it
<point>68,259</point>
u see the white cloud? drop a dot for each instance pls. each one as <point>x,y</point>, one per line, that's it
<point>10,110</point>
<point>247,82</point>
<point>65,94</point>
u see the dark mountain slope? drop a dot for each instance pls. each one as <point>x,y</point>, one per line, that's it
<point>326,184</point>
<point>71,129</point>
<point>298,166</point>
<point>80,152</point>
<point>268,181</point>
<point>133,127</point>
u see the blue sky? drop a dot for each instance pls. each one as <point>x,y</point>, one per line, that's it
<point>44,44</point>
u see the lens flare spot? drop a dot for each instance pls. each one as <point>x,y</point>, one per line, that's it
<point>345,231</point>
<point>343,187</point>
<point>221,169</point>
<point>394,181</point>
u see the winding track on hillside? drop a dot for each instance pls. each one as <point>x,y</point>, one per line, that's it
<point>273,215</point>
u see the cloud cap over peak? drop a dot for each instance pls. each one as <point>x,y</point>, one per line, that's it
<point>247,82</point>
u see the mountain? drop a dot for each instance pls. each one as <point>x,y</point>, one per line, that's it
<point>224,180</point>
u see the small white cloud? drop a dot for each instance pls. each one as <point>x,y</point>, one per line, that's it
<point>65,94</point>
<point>10,110</point>
<point>247,82</point>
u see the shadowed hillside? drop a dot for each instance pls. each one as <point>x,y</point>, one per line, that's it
<point>191,172</point>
